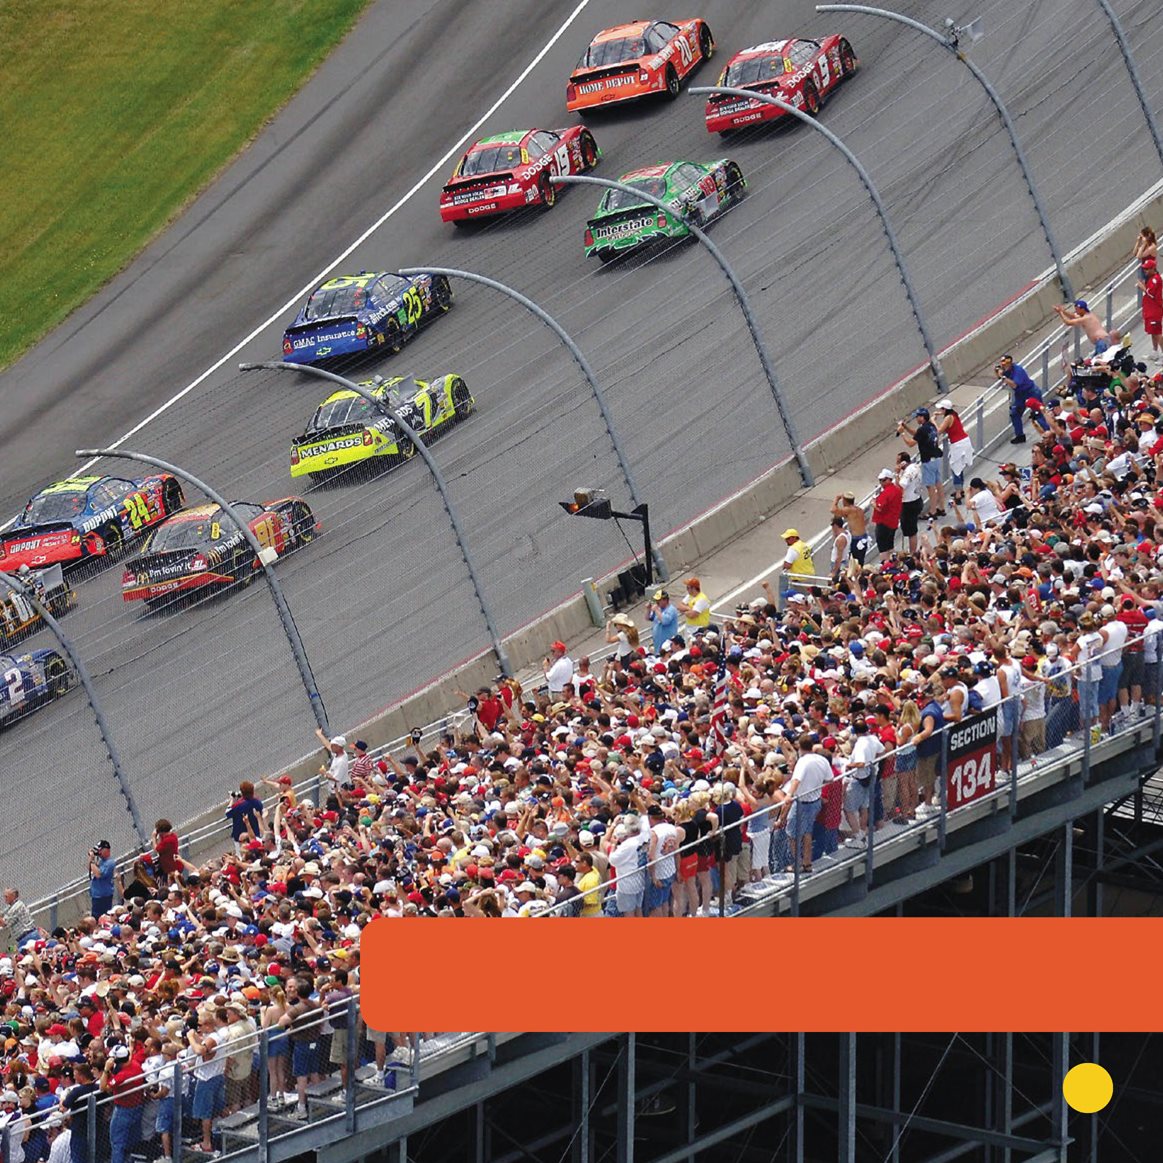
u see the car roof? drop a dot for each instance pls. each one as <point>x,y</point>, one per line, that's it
<point>648,172</point>
<point>197,513</point>
<point>344,280</point>
<point>510,138</point>
<point>620,31</point>
<point>372,386</point>
<point>770,46</point>
<point>71,485</point>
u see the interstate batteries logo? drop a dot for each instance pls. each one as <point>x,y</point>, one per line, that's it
<point>621,229</point>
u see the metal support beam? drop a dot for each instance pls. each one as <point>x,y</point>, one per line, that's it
<point>262,555</point>
<point>627,1100</point>
<point>578,358</point>
<point>740,294</point>
<point>846,1123</point>
<point>949,44</point>
<point>383,406</point>
<point>1059,1113</point>
<point>29,592</point>
<point>727,1131</point>
<point>798,1095</point>
<point>874,194</point>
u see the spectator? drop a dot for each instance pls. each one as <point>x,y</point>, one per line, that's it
<point>302,1021</point>
<point>908,476</point>
<point>797,560</point>
<point>886,511</point>
<point>1145,247</point>
<point>16,920</point>
<point>1080,315</point>
<point>799,811</point>
<point>14,1124</point>
<point>244,810</point>
<point>1023,390</point>
<point>622,634</point>
<point>102,866</point>
<point>336,1000</point>
<point>841,548</point>
<point>558,668</point>
<point>1150,283</point>
<point>209,1071</point>
<point>338,768</point>
<point>124,1081</point>
<point>845,506</point>
<point>664,617</point>
<point>960,446</point>
<point>696,610</point>
<point>925,440</point>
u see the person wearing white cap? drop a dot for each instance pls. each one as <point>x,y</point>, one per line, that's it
<point>960,446</point>
<point>886,510</point>
<point>336,747</point>
<point>14,1122</point>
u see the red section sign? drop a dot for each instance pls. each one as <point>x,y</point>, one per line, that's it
<point>972,757</point>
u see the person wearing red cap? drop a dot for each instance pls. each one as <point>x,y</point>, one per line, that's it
<point>558,669</point>
<point>1151,284</point>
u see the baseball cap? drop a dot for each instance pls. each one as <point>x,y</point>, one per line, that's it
<point>884,475</point>
<point>660,594</point>
<point>921,412</point>
<point>558,645</point>
<point>1082,304</point>
<point>945,404</point>
<point>338,741</point>
<point>790,533</point>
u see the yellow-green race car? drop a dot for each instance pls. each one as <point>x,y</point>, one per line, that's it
<point>347,432</point>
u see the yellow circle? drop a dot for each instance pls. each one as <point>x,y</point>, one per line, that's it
<point>1087,1088</point>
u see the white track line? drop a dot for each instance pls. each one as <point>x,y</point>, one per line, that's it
<point>294,301</point>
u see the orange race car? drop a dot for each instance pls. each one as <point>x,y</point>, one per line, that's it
<point>635,60</point>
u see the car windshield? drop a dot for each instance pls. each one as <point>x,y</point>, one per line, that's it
<point>189,534</point>
<point>620,200</point>
<point>327,302</point>
<point>49,507</point>
<point>613,52</point>
<point>490,159</point>
<point>337,413</point>
<point>753,69</point>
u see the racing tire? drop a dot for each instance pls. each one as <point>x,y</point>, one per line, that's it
<point>442,293</point>
<point>172,499</point>
<point>811,99</point>
<point>736,186</point>
<point>462,223</point>
<point>589,151</point>
<point>58,604</point>
<point>57,677</point>
<point>706,43</point>
<point>547,192</point>
<point>848,62</point>
<point>462,401</point>
<point>672,85</point>
<point>407,449</point>
<point>606,255</point>
<point>393,336</point>
<point>302,526</point>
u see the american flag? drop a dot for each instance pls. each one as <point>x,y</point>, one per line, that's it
<point>717,738</point>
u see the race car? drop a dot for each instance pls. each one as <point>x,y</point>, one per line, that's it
<point>697,192</point>
<point>802,73</point>
<point>352,313</point>
<point>82,518</point>
<point>512,170</point>
<point>202,549</point>
<point>346,430</point>
<point>30,681</point>
<point>18,616</point>
<point>637,59</point>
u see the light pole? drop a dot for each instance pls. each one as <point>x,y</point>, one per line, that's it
<point>579,359</point>
<point>874,194</point>
<point>745,304</point>
<point>28,592</point>
<point>949,42</point>
<point>1129,61</point>
<point>403,426</point>
<point>266,558</point>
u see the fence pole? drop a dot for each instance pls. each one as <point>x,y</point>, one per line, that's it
<point>351,1061</point>
<point>949,42</point>
<point>178,1099</point>
<point>872,192</point>
<point>265,558</point>
<point>28,591</point>
<point>437,476</point>
<point>264,1095</point>
<point>581,361</point>
<point>744,303</point>
<point>1129,61</point>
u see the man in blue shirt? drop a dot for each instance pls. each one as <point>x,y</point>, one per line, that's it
<point>101,869</point>
<point>1024,389</point>
<point>665,619</point>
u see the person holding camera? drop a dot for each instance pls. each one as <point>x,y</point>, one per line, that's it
<point>244,811</point>
<point>1024,390</point>
<point>102,866</point>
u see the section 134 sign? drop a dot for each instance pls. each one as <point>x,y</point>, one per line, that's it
<point>971,759</point>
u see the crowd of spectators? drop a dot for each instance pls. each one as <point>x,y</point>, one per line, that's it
<point>698,757</point>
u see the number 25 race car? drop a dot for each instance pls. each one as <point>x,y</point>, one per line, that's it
<point>696,192</point>
<point>512,170</point>
<point>202,548</point>
<point>81,518</point>
<point>638,59</point>
<point>352,313</point>
<point>347,431</point>
<point>30,681</point>
<point>802,73</point>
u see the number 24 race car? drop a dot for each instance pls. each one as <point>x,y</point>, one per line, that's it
<point>512,170</point>
<point>352,313</point>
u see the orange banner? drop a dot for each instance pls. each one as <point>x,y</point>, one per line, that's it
<point>811,974</point>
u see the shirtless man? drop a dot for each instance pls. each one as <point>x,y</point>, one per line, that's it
<point>845,506</point>
<point>1080,315</point>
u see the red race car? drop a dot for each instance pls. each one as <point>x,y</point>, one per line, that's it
<point>637,59</point>
<point>801,72</point>
<point>512,170</point>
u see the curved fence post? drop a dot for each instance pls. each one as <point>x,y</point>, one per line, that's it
<point>265,558</point>
<point>874,195</point>
<point>950,44</point>
<point>437,476</point>
<point>745,304</point>
<point>28,592</point>
<point>579,358</point>
<point>1129,61</point>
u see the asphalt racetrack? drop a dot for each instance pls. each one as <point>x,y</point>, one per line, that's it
<point>202,697</point>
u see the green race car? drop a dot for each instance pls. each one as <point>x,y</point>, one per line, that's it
<point>347,431</point>
<point>697,192</point>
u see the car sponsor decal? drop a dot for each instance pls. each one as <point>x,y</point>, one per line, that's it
<point>329,337</point>
<point>608,83</point>
<point>621,229</point>
<point>331,446</point>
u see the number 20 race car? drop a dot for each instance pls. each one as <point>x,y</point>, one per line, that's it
<point>87,517</point>
<point>512,170</point>
<point>802,73</point>
<point>202,548</point>
<point>347,431</point>
<point>638,59</point>
<point>352,313</point>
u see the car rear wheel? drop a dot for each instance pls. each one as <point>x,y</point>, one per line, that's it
<point>462,401</point>
<point>671,83</point>
<point>736,186</point>
<point>302,525</point>
<point>171,497</point>
<point>393,336</point>
<point>56,676</point>
<point>589,151</point>
<point>407,448</point>
<point>848,62</point>
<point>706,43</point>
<point>442,293</point>
<point>548,191</point>
<point>811,99</point>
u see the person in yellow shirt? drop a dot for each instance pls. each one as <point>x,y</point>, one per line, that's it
<point>797,561</point>
<point>589,884</point>
<point>696,610</point>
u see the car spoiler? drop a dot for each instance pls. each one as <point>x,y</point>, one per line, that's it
<point>494,178</point>
<point>328,321</point>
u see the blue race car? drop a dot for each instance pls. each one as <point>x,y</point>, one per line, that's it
<point>30,681</point>
<point>352,313</point>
